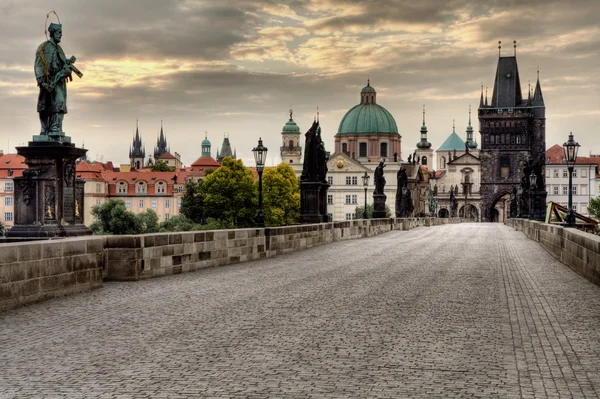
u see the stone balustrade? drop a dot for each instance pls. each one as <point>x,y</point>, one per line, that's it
<point>38,270</point>
<point>577,249</point>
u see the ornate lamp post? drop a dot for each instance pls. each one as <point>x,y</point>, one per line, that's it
<point>571,147</point>
<point>260,154</point>
<point>532,185</point>
<point>365,179</point>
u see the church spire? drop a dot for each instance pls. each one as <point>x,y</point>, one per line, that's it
<point>538,99</point>
<point>423,144</point>
<point>472,144</point>
<point>481,99</point>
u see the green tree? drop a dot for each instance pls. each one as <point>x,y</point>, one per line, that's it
<point>358,212</point>
<point>192,202</point>
<point>2,230</point>
<point>112,217</point>
<point>161,166</point>
<point>594,211</point>
<point>148,221</point>
<point>178,223</point>
<point>281,196</point>
<point>230,194</point>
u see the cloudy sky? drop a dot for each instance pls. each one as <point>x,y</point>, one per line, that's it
<point>238,65</point>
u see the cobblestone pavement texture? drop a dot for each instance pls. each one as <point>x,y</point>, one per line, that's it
<point>470,310</point>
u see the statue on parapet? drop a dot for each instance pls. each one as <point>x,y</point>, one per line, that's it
<point>379,179</point>
<point>52,69</point>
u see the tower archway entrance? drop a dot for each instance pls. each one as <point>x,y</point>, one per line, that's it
<point>498,209</point>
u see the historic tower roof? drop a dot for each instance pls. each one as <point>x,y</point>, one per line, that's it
<point>470,142</point>
<point>424,144</point>
<point>290,126</point>
<point>137,150</point>
<point>368,117</point>
<point>453,142</point>
<point>225,150</point>
<point>538,99</point>
<point>507,86</point>
<point>206,146</point>
<point>161,143</point>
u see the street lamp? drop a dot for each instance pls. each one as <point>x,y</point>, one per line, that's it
<point>532,184</point>
<point>571,147</point>
<point>260,154</point>
<point>365,179</point>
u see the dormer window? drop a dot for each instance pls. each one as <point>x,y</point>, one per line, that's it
<point>141,188</point>
<point>161,187</point>
<point>122,187</point>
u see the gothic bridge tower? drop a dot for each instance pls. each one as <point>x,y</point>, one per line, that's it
<point>513,132</point>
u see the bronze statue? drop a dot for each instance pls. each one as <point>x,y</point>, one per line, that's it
<point>52,69</point>
<point>379,179</point>
<point>404,205</point>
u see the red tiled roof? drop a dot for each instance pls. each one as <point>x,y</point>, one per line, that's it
<point>12,161</point>
<point>556,154</point>
<point>149,177</point>
<point>206,162</point>
<point>167,155</point>
<point>438,174</point>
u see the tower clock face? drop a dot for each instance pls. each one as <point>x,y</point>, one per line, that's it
<point>340,164</point>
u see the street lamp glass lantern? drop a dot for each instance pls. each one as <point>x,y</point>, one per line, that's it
<point>365,179</point>
<point>571,147</point>
<point>532,180</point>
<point>260,154</point>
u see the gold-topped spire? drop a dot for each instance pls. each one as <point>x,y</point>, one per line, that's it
<point>499,47</point>
<point>453,126</point>
<point>515,47</point>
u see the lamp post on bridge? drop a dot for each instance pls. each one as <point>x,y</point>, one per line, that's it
<point>532,184</point>
<point>365,179</point>
<point>260,154</point>
<point>571,147</point>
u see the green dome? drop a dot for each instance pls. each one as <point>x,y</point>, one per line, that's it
<point>205,142</point>
<point>368,118</point>
<point>368,89</point>
<point>291,127</point>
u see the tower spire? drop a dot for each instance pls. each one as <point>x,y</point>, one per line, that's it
<point>423,114</point>
<point>499,47</point>
<point>515,47</point>
<point>453,126</point>
<point>486,101</point>
<point>481,99</point>
<point>423,144</point>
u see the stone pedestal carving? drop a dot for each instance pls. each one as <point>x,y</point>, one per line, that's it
<point>48,197</point>
<point>313,202</point>
<point>379,206</point>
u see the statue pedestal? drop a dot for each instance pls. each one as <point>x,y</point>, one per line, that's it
<point>379,206</point>
<point>48,197</point>
<point>539,205</point>
<point>313,202</point>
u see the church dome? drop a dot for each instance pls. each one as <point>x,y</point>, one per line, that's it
<point>206,142</point>
<point>368,117</point>
<point>291,127</point>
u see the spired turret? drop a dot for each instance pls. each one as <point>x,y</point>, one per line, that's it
<point>161,143</point>
<point>424,151</point>
<point>137,152</point>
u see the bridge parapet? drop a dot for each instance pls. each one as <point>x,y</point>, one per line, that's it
<point>38,270</point>
<point>577,249</point>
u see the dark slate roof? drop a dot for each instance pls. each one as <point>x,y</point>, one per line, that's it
<point>538,99</point>
<point>507,86</point>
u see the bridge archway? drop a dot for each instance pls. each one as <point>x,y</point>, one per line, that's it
<point>469,212</point>
<point>498,209</point>
<point>443,213</point>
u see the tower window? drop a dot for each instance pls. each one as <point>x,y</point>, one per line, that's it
<point>362,149</point>
<point>345,148</point>
<point>291,143</point>
<point>383,150</point>
<point>424,160</point>
<point>504,166</point>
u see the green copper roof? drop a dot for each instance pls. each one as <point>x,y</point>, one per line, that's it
<point>205,142</point>
<point>453,142</point>
<point>367,118</point>
<point>290,127</point>
<point>368,89</point>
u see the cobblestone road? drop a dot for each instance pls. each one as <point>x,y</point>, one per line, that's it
<point>471,310</point>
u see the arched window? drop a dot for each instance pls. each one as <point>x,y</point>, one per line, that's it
<point>137,164</point>
<point>141,188</point>
<point>345,148</point>
<point>161,187</point>
<point>424,160</point>
<point>362,150</point>
<point>383,150</point>
<point>443,162</point>
<point>291,143</point>
<point>122,187</point>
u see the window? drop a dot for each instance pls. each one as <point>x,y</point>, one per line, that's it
<point>354,199</point>
<point>8,201</point>
<point>574,189</point>
<point>345,148</point>
<point>584,207</point>
<point>362,149</point>
<point>330,217</point>
<point>153,204</point>
<point>141,188</point>
<point>565,173</point>
<point>565,190</point>
<point>547,173</point>
<point>141,203</point>
<point>166,216</point>
<point>583,190</point>
<point>424,160</point>
<point>127,204</point>
<point>160,187</point>
<point>504,166</point>
<point>8,216</point>
<point>167,203</point>
<point>354,180</point>
<point>98,188</point>
<point>348,180</point>
<point>583,172</point>
<point>179,189</point>
<point>555,190</point>
<point>348,199</point>
<point>330,199</point>
<point>556,173</point>
<point>443,162</point>
<point>98,201</point>
<point>122,188</point>
<point>518,139</point>
<point>9,187</point>
<point>383,150</point>
<point>349,216</point>
<point>330,180</point>
<point>574,172</point>
<point>574,207</point>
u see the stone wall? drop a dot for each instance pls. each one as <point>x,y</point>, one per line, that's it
<point>576,249</point>
<point>38,270</point>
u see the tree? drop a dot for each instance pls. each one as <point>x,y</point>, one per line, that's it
<point>281,196</point>
<point>230,194</point>
<point>594,211</point>
<point>112,217</point>
<point>148,221</point>
<point>161,166</point>
<point>192,202</point>
<point>2,230</point>
<point>178,223</point>
<point>358,212</point>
